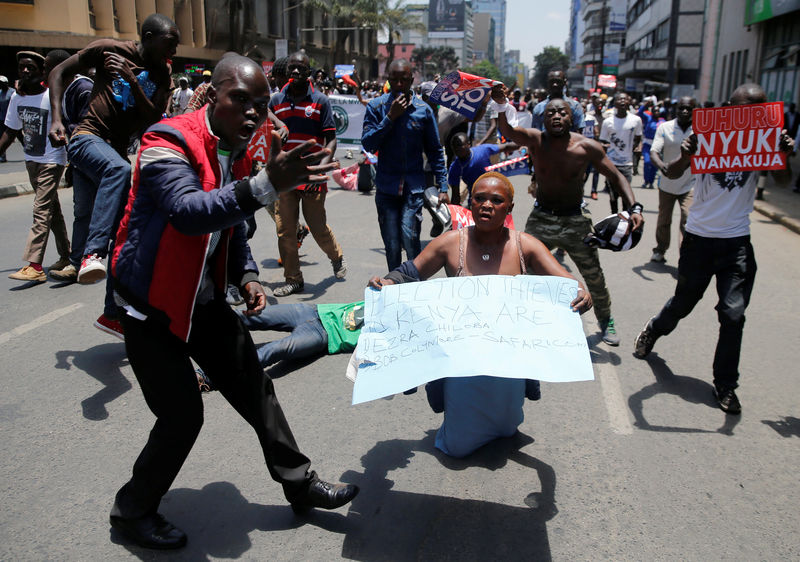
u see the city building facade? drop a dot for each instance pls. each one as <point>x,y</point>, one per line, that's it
<point>496,9</point>
<point>483,47</point>
<point>258,28</point>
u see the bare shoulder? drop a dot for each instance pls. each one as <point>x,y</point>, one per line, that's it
<point>444,242</point>
<point>591,146</point>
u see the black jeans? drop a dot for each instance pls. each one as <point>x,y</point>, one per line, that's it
<point>222,347</point>
<point>733,263</point>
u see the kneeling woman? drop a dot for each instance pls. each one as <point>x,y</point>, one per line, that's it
<point>480,409</point>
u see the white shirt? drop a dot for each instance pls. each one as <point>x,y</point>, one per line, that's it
<point>667,143</point>
<point>620,132</point>
<point>31,115</point>
<point>180,100</point>
<point>722,204</point>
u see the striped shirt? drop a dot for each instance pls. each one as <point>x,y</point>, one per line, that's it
<point>308,118</point>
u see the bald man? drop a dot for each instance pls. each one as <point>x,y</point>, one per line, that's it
<point>402,127</point>
<point>181,239</point>
<point>716,244</point>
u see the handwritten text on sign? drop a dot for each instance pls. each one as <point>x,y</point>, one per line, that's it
<point>738,138</point>
<point>499,325</point>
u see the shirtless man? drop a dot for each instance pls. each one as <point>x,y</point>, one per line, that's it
<point>472,417</point>
<point>558,219</point>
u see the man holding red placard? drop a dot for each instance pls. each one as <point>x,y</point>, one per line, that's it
<point>717,243</point>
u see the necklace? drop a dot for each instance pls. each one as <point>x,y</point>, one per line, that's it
<point>486,250</point>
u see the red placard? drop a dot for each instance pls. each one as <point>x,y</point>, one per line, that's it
<point>267,66</point>
<point>738,138</point>
<point>258,147</point>
<point>462,218</point>
<point>606,81</point>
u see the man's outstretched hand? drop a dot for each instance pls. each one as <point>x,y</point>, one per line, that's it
<point>295,167</point>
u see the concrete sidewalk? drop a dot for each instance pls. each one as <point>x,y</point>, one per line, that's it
<point>780,203</point>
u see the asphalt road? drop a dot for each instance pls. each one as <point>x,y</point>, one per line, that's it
<point>636,465</point>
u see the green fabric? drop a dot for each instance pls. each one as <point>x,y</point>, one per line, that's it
<point>343,324</point>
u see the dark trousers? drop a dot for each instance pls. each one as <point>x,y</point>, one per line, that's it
<point>733,263</point>
<point>222,347</point>
<point>400,221</point>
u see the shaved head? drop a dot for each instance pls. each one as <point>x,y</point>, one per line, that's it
<point>400,65</point>
<point>233,65</point>
<point>748,93</point>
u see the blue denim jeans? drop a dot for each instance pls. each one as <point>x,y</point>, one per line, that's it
<point>109,179</point>
<point>400,220</point>
<point>733,263</point>
<point>307,338</point>
<point>83,192</point>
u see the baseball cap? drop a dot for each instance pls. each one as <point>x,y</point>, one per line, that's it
<point>3,79</point>
<point>614,233</point>
<point>426,88</point>
<point>206,73</point>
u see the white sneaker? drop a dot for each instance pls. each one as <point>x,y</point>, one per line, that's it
<point>658,257</point>
<point>92,270</point>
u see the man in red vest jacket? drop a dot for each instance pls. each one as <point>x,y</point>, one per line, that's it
<point>180,241</point>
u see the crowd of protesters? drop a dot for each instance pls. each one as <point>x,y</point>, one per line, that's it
<point>168,233</point>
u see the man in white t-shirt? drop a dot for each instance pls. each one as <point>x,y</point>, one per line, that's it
<point>29,112</point>
<point>180,97</point>
<point>666,147</point>
<point>621,134</point>
<point>717,243</point>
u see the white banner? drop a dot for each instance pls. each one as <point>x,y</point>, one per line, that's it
<point>497,325</point>
<point>348,114</point>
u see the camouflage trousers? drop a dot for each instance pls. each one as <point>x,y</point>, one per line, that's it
<point>568,233</point>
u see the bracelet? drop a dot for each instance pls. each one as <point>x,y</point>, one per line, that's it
<point>636,208</point>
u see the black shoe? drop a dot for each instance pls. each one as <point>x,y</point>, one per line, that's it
<point>533,390</point>
<point>150,531</point>
<point>325,495</point>
<point>644,342</point>
<point>728,401</point>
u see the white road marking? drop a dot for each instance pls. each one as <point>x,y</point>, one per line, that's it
<point>41,321</point>
<point>615,403</point>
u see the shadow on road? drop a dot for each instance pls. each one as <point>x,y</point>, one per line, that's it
<point>218,521</point>
<point>601,353</point>
<point>689,389</point>
<point>389,524</point>
<point>103,363</point>
<point>653,267</point>
<point>789,427</point>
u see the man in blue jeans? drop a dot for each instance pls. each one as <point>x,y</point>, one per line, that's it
<point>314,329</point>
<point>716,244</point>
<point>401,128</point>
<point>131,91</point>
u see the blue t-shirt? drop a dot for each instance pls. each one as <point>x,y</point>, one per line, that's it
<point>473,168</point>
<point>478,410</point>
